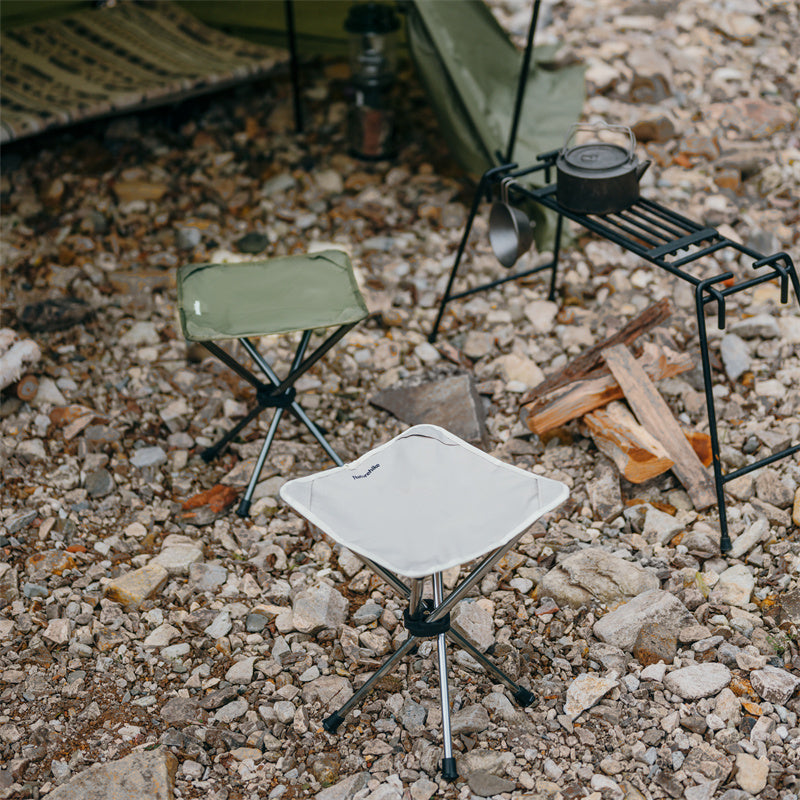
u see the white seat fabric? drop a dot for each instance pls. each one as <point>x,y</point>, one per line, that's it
<point>423,502</point>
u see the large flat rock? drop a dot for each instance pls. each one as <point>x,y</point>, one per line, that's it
<point>139,776</point>
<point>452,403</point>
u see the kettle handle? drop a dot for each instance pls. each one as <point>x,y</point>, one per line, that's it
<point>594,127</point>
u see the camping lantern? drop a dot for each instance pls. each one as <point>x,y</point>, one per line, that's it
<point>372,29</point>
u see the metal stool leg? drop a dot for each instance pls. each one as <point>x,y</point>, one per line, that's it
<point>332,722</point>
<point>449,772</point>
<point>244,506</point>
<point>522,695</point>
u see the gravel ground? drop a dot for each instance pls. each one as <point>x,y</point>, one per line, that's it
<point>138,621</point>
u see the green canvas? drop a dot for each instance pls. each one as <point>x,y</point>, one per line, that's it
<point>281,295</point>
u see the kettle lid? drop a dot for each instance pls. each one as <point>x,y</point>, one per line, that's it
<point>596,157</point>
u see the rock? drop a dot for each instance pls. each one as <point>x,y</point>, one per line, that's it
<point>657,128</point>
<point>771,489</point>
<point>330,691</point>
<point>252,243</point>
<point>148,457</point>
<point>182,711</point>
<point>20,520</point>
<point>452,403</point>
<point>655,643</point>
<point>99,483</point>
<point>178,558</point>
<point>318,608</point>
<point>652,76</point>
<point>622,626</point>
<point>242,671</point>
<point>136,586</point>
<point>728,707</point>
<point>49,562</point>
<point>161,636</point>
<point>542,314</point>
<point>774,684</point>
<point>231,711</point>
<point>735,586</point>
<point>469,720</point>
<point>141,333</point>
<point>760,326</point>
<point>480,760</point>
<point>220,626</point>
<point>735,355</point>
<point>485,784</point>
<point>58,631</point>
<point>753,535</point>
<point>413,716</point>
<point>475,621</point>
<point>145,775</point>
<point>757,118</point>
<point>698,680</point>
<point>751,772</point>
<point>661,527</point>
<point>706,760</point>
<point>585,691</point>
<point>523,372</point>
<point>206,577</point>
<point>595,576</point>
<point>57,314</point>
<point>604,492</point>
<point>368,613</point>
<point>346,788</point>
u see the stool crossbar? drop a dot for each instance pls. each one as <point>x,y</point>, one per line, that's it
<point>283,295</point>
<point>412,508</point>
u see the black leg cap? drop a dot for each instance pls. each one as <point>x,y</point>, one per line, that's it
<point>332,722</point>
<point>524,697</point>
<point>209,454</point>
<point>244,508</point>
<point>449,771</point>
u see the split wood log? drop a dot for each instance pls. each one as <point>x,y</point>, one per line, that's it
<point>584,365</point>
<point>639,456</point>
<point>582,396</point>
<point>701,444</point>
<point>654,414</point>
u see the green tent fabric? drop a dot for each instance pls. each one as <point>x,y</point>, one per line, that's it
<point>470,68</point>
<point>257,298</point>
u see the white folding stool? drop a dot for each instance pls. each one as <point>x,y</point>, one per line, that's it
<point>416,506</point>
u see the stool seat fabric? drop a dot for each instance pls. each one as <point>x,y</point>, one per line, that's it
<point>423,502</point>
<point>279,295</point>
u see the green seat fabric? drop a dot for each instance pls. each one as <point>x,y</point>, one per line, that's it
<point>280,295</point>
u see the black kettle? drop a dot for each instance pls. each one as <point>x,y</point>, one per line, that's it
<point>598,177</point>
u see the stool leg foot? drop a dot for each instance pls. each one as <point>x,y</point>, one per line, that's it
<point>209,454</point>
<point>524,697</point>
<point>449,771</point>
<point>244,509</point>
<point>332,722</point>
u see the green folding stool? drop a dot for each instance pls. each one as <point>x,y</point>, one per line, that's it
<point>281,295</point>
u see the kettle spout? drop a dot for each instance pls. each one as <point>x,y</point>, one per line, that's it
<point>642,168</point>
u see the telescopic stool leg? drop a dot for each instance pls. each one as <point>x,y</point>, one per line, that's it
<point>449,772</point>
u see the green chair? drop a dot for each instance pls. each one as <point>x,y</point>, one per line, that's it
<point>281,295</point>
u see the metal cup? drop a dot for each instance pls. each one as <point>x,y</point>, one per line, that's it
<point>510,230</point>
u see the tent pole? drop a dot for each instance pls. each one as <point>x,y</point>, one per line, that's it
<point>291,35</point>
<point>523,81</point>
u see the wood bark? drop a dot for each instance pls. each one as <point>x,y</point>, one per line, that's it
<point>638,454</point>
<point>582,396</point>
<point>654,414</point>
<point>591,360</point>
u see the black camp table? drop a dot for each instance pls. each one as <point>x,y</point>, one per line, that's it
<point>664,238</point>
